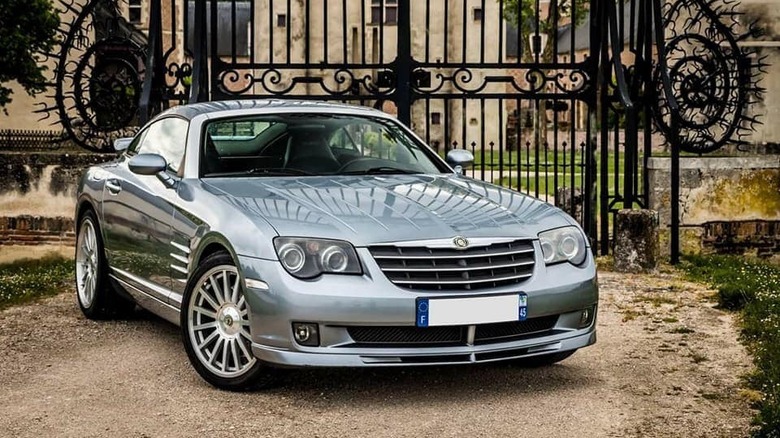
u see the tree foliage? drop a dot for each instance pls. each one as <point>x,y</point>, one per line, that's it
<point>27,27</point>
<point>551,15</point>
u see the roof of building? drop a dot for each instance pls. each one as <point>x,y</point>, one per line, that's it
<point>581,35</point>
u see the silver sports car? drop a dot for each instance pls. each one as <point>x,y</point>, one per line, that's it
<point>295,234</point>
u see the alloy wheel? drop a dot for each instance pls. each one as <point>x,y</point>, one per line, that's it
<point>218,323</point>
<point>86,263</point>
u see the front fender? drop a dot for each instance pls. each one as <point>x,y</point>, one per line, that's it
<point>89,194</point>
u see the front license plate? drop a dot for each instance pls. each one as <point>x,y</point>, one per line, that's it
<point>472,310</point>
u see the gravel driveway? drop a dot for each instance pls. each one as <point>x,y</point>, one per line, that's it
<point>666,364</point>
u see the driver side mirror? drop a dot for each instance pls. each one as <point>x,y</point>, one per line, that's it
<point>460,159</point>
<point>147,164</point>
<point>121,144</point>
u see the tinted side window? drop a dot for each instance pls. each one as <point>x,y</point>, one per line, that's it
<point>168,138</point>
<point>133,148</point>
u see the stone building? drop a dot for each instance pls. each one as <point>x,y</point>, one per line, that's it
<point>335,36</point>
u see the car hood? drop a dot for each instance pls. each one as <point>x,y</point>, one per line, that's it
<point>374,209</point>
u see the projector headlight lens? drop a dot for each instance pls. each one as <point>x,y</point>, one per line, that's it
<point>565,244</point>
<point>292,257</point>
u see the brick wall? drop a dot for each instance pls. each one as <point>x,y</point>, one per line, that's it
<point>36,230</point>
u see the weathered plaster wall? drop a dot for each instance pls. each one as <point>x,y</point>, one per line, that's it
<point>42,184</point>
<point>715,190</point>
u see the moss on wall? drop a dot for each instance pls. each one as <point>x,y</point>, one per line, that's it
<point>732,194</point>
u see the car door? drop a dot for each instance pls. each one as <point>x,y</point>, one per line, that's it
<point>138,210</point>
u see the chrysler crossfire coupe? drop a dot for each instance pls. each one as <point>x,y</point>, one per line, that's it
<point>302,234</point>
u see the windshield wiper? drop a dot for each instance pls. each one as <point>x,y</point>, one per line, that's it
<point>276,171</point>
<point>387,170</point>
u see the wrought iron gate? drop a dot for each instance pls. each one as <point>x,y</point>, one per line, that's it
<point>556,99</point>
<point>457,72</point>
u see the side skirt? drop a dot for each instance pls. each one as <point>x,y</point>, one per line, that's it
<point>149,302</point>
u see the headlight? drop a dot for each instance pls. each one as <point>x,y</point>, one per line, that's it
<point>308,258</point>
<point>565,244</point>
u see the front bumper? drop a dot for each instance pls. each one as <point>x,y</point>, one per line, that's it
<point>370,300</point>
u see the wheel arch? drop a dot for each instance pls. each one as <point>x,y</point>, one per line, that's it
<point>211,244</point>
<point>83,205</point>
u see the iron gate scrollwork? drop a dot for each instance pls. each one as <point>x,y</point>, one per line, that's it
<point>563,102</point>
<point>711,76</point>
<point>97,74</point>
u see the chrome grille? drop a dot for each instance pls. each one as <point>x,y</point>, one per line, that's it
<point>480,267</point>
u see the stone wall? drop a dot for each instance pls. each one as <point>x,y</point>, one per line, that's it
<point>727,204</point>
<point>36,230</point>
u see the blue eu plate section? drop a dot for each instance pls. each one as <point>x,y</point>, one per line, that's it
<point>422,312</point>
<point>522,307</point>
<point>423,309</point>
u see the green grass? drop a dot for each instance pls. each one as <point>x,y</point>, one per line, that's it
<point>26,280</point>
<point>546,183</point>
<point>519,169</point>
<point>752,287</point>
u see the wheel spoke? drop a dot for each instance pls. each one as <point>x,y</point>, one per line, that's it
<point>244,350</point>
<point>216,349</point>
<point>208,339</point>
<point>246,334</point>
<point>208,298</point>
<point>224,354</point>
<point>205,312</point>
<point>217,292</point>
<point>241,302</point>
<point>234,296</point>
<point>225,286</point>
<point>91,287</point>
<point>90,239</point>
<point>205,326</point>
<point>234,352</point>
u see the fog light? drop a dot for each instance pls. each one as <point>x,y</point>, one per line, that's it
<point>586,317</point>
<point>306,333</point>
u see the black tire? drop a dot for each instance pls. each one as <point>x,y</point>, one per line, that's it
<point>258,375</point>
<point>543,360</point>
<point>105,302</point>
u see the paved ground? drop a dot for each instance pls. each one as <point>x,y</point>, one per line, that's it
<point>666,364</point>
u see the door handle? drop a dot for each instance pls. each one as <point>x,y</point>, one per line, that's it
<point>113,186</point>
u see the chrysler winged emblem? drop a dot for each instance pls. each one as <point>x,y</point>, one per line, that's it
<point>460,242</point>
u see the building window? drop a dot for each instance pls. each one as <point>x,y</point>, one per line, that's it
<point>477,13</point>
<point>390,11</point>
<point>134,11</point>
<point>281,20</point>
<point>436,118</point>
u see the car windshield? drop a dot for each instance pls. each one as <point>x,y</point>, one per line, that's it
<point>312,144</point>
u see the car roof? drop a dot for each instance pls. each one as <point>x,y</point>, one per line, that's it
<point>190,111</point>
